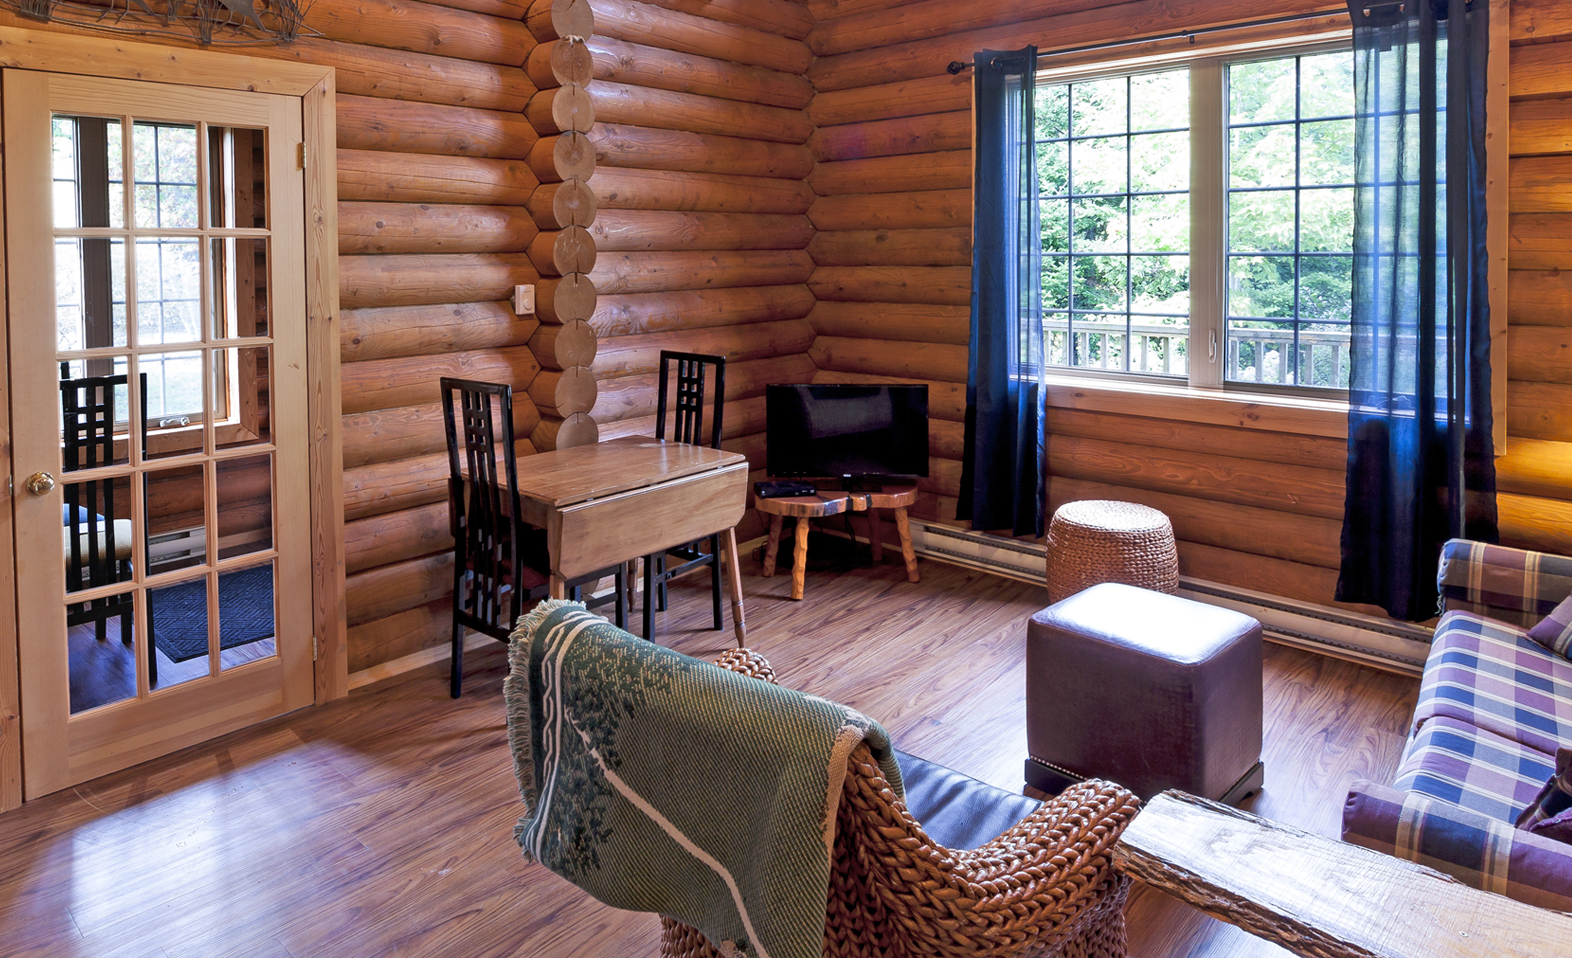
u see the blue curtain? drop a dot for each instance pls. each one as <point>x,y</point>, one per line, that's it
<point>1004,463</point>
<point>1420,464</point>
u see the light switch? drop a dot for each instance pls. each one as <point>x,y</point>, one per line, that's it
<point>524,300</point>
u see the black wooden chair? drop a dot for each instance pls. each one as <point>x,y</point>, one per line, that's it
<point>687,408</point>
<point>98,542</point>
<point>499,561</point>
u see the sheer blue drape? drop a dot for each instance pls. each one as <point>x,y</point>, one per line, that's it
<point>1420,463</point>
<point>1004,466</point>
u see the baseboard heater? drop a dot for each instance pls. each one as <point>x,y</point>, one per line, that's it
<point>1383,643</point>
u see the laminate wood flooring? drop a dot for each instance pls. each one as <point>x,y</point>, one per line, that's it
<point>382,824</point>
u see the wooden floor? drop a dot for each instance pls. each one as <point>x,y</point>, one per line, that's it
<point>104,672</point>
<point>382,825</point>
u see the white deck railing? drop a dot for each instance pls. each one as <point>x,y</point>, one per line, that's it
<point>1254,355</point>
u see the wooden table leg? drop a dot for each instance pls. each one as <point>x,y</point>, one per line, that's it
<point>904,527</point>
<point>559,587</point>
<point>799,565</point>
<point>774,547</point>
<point>874,536</point>
<point>734,577</point>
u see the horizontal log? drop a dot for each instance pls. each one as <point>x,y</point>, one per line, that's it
<point>878,27</point>
<point>433,228</point>
<point>1541,354</point>
<point>938,133</point>
<point>565,299</point>
<point>561,393</point>
<point>903,322</point>
<point>938,285</point>
<point>417,178</point>
<point>643,148</point>
<point>634,355</point>
<point>565,156</point>
<point>1540,20</point>
<point>391,589</point>
<point>422,28</point>
<point>1280,577</point>
<point>893,247</point>
<point>784,17</point>
<point>617,61</point>
<point>624,230</point>
<point>1542,126</point>
<point>385,435</point>
<point>1535,467</point>
<point>946,439</point>
<point>1540,241</point>
<point>752,447</point>
<point>658,190</point>
<point>549,20</point>
<point>1541,70</point>
<point>1315,452</point>
<point>558,63</point>
<point>633,397</point>
<point>562,110</point>
<point>738,417</point>
<point>1542,525</point>
<point>412,381</point>
<point>1541,184</point>
<point>949,170</point>
<point>380,641</point>
<point>558,205</point>
<point>399,331</point>
<point>946,401</point>
<point>394,126</point>
<point>639,313</point>
<point>414,279</point>
<point>1247,482</point>
<point>561,347</point>
<point>561,252</point>
<point>708,269</point>
<point>666,110</point>
<point>937,209</point>
<point>1540,297</point>
<point>671,30</point>
<point>943,478</point>
<point>552,434</point>
<point>401,75</point>
<point>396,537</point>
<point>386,487</point>
<point>943,362</point>
<point>889,101</point>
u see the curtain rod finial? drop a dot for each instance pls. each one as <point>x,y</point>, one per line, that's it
<point>956,67</point>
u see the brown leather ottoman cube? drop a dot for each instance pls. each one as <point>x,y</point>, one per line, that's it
<point>1145,689</point>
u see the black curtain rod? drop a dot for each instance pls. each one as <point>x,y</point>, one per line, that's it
<point>956,66</point>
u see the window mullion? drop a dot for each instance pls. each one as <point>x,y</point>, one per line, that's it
<point>1208,224</point>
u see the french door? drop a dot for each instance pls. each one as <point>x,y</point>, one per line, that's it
<point>156,307</point>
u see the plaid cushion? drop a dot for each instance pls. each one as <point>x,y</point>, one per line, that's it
<point>1468,766</point>
<point>1548,813</point>
<point>1480,852</point>
<point>1512,585</point>
<point>1554,631</point>
<point>1491,675</point>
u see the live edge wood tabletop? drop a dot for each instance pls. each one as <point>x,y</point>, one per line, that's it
<point>832,503</point>
<point>1324,898</point>
<point>609,502</point>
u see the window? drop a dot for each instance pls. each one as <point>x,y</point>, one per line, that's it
<point>1229,178</point>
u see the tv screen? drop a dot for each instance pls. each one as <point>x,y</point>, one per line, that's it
<point>835,430</point>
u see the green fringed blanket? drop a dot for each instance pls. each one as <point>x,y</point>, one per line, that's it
<point>660,783</point>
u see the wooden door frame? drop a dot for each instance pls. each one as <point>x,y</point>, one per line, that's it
<point>315,85</point>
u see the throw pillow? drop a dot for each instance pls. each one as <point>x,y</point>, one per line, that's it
<point>1554,631</point>
<point>1550,813</point>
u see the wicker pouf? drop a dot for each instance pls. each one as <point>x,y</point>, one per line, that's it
<point>1102,540</point>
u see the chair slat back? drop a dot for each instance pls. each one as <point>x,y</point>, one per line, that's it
<point>88,416</point>
<point>483,503</point>
<point>688,404</point>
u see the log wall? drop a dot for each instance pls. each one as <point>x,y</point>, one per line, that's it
<point>702,229</point>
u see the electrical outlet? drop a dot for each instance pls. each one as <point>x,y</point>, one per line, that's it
<point>524,300</point>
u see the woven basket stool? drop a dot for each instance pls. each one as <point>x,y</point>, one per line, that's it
<point>1103,540</point>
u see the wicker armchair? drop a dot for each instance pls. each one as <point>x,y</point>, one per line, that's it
<point>1046,886</point>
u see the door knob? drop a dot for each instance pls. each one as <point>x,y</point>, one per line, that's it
<point>40,483</point>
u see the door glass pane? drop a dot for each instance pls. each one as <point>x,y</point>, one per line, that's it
<point>86,163</point>
<point>177,621</point>
<point>176,518</point>
<point>101,651</point>
<point>245,506</point>
<point>239,303</point>
<point>164,162</point>
<point>240,378</point>
<point>174,388</point>
<point>90,293</point>
<point>168,281</point>
<point>246,615</point>
<point>95,419</point>
<point>237,168</point>
<point>96,535</point>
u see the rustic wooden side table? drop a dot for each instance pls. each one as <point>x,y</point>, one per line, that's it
<point>833,503</point>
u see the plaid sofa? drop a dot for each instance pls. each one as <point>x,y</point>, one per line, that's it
<point>1493,708</point>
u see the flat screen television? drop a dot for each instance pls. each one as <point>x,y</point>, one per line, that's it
<point>865,432</point>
